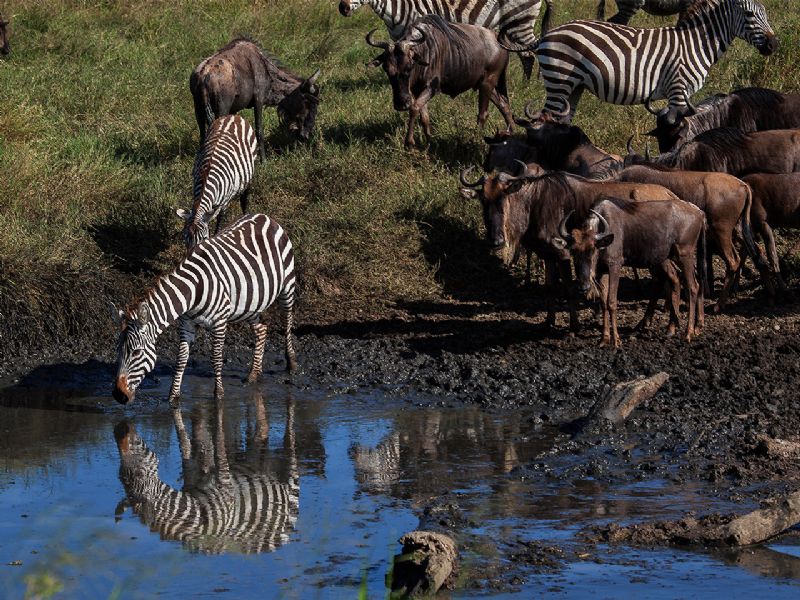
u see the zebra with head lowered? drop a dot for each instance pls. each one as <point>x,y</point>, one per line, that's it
<point>230,278</point>
<point>628,65</point>
<point>224,506</point>
<point>627,8</point>
<point>222,170</point>
<point>510,19</point>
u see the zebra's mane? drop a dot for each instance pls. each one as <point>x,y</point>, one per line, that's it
<point>748,102</point>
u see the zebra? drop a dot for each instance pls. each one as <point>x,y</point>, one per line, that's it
<point>511,19</point>
<point>223,169</point>
<point>230,278</point>
<point>223,507</point>
<point>627,8</point>
<point>377,469</point>
<point>627,65</point>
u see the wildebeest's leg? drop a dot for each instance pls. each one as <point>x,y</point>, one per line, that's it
<point>186,332</point>
<point>658,283</point>
<point>724,241</point>
<point>257,112</point>
<point>484,95</point>
<point>673,297</point>
<point>412,119</point>
<point>550,274</point>
<point>772,252</point>
<point>565,272</point>
<point>260,331</point>
<point>606,337</point>
<point>687,259</point>
<point>218,334</point>
<point>425,119</point>
<point>244,200</point>
<point>613,286</point>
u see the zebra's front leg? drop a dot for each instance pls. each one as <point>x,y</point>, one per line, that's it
<point>187,332</point>
<point>287,321</point>
<point>218,333</point>
<point>260,330</point>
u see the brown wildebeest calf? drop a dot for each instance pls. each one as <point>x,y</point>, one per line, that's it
<point>776,203</point>
<point>435,56</point>
<point>726,202</point>
<point>240,76</point>
<point>638,234</point>
<point>526,211</point>
<point>5,47</point>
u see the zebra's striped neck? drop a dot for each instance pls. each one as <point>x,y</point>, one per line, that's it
<point>171,296</point>
<point>394,15</point>
<point>711,30</point>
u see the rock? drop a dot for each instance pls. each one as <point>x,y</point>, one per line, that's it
<point>427,560</point>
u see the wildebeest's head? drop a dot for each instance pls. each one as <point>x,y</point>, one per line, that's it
<point>585,244</point>
<point>298,110</point>
<point>5,47</point>
<point>492,192</point>
<point>504,149</point>
<point>398,61</point>
<point>136,350</point>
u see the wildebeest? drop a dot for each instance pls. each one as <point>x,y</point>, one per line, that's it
<point>5,48</point>
<point>748,109</point>
<point>726,202</point>
<point>627,8</point>
<point>240,76</point>
<point>434,56</point>
<point>776,203</point>
<point>627,234</point>
<point>728,150</point>
<point>526,212</point>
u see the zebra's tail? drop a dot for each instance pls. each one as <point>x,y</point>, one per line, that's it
<point>601,10</point>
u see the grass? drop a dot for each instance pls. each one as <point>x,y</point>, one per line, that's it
<point>97,140</point>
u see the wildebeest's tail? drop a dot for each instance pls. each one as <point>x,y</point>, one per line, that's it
<point>747,232</point>
<point>206,100</point>
<point>548,9</point>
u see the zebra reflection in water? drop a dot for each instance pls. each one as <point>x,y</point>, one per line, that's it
<point>240,507</point>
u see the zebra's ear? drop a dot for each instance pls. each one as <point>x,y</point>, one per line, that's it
<point>143,313</point>
<point>183,213</point>
<point>117,315</point>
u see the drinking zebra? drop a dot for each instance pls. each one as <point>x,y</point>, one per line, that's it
<point>223,507</point>
<point>627,65</point>
<point>378,468</point>
<point>222,170</point>
<point>511,19</point>
<point>627,8</point>
<point>230,278</point>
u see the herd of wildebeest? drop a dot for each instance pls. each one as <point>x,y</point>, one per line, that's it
<point>727,175</point>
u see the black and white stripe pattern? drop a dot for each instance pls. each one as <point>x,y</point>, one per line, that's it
<point>232,277</point>
<point>626,65</point>
<point>222,171</point>
<point>378,468</point>
<point>627,8</point>
<point>512,20</point>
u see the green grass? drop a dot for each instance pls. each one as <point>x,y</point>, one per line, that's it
<point>97,140</point>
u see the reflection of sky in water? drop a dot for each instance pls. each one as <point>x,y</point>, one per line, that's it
<point>60,468</point>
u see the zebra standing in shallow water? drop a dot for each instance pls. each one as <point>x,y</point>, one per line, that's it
<point>230,278</point>
<point>627,8</point>
<point>222,170</point>
<point>627,65</point>
<point>510,19</point>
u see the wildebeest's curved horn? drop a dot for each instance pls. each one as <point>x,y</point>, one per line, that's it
<point>417,36</point>
<point>371,42</point>
<point>313,78</point>
<point>563,113</point>
<point>522,166</point>
<point>463,177</point>
<point>649,106</point>
<point>528,112</point>
<point>629,146</point>
<point>605,231</point>
<point>562,227</point>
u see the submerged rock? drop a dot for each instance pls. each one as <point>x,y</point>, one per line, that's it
<point>428,559</point>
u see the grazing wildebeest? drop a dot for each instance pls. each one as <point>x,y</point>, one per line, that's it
<point>526,211</point>
<point>240,76</point>
<point>728,150</point>
<point>627,8</point>
<point>726,202</point>
<point>776,203</point>
<point>434,57</point>
<point>628,65</point>
<point>5,48</point>
<point>748,109</point>
<point>639,234</point>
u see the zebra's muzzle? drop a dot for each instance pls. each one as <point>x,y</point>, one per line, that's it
<point>769,46</point>
<point>345,9</point>
<point>121,393</point>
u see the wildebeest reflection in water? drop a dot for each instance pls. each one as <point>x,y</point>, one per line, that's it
<point>223,507</point>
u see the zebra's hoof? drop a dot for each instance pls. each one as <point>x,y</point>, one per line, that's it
<point>251,378</point>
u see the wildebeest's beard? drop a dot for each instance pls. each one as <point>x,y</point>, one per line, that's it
<point>298,113</point>
<point>516,219</point>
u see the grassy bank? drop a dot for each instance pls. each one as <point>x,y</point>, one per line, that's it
<point>97,140</point>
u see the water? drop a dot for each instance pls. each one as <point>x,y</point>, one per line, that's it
<point>347,474</point>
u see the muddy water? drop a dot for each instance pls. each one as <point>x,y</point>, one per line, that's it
<point>101,501</point>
